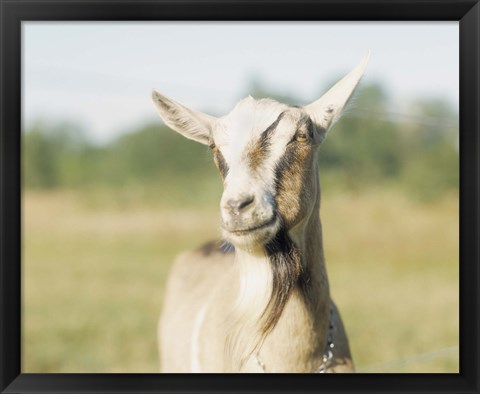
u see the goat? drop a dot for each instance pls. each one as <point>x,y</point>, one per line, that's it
<point>259,301</point>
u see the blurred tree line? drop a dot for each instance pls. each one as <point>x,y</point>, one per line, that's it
<point>415,149</point>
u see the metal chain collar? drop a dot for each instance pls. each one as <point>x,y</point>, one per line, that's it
<point>327,353</point>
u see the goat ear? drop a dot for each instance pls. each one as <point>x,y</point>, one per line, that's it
<point>191,124</point>
<point>327,109</point>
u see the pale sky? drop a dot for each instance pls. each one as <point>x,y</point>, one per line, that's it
<point>100,74</point>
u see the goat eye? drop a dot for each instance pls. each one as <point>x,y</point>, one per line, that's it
<point>213,147</point>
<point>301,137</point>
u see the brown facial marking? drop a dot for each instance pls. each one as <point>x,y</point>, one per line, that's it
<point>293,180</point>
<point>258,152</point>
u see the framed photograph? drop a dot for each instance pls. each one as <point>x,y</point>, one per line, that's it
<point>239,197</point>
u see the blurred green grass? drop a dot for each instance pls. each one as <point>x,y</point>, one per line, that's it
<point>95,265</point>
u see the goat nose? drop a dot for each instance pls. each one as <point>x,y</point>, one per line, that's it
<point>240,204</point>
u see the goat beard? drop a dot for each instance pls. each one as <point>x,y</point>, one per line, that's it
<point>249,327</point>
<point>286,265</point>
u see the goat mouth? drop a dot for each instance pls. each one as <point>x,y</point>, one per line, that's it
<point>252,229</point>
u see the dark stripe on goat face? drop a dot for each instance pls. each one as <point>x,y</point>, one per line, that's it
<point>261,147</point>
<point>292,181</point>
<point>220,163</point>
<point>286,265</point>
<point>310,128</point>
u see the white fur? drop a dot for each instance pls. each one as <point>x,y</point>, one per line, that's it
<point>254,293</point>
<point>195,345</point>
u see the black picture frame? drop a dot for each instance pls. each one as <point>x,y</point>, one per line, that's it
<point>13,12</point>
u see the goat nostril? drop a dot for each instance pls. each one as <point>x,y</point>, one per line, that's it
<point>248,200</point>
<point>240,203</point>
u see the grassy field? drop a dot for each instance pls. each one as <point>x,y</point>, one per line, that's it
<point>94,272</point>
